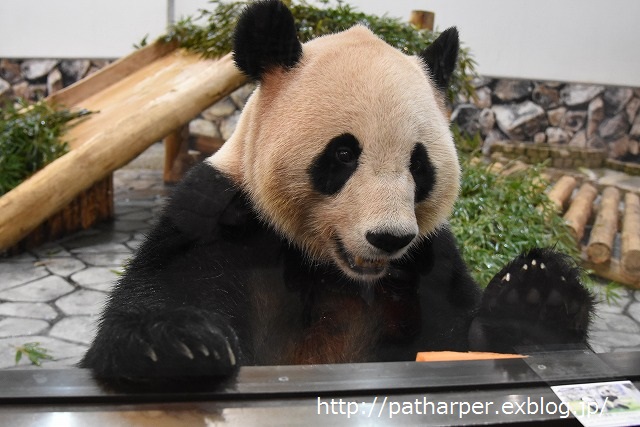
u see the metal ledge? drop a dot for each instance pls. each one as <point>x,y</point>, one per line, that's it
<point>304,394</point>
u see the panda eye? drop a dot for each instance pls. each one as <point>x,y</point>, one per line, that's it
<point>345,155</point>
<point>415,166</point>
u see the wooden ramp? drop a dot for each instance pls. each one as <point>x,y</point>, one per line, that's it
<point>606,225</point>
<point>143,98</point>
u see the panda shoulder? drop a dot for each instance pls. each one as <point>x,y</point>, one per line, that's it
<point>201,201</point>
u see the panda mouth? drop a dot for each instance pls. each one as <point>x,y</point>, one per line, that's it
<point>361,265</point>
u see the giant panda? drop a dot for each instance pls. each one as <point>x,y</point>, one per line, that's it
<point>318,232</point>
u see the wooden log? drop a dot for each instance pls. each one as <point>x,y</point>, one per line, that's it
<point>630,258</point>
<point>605,227</point>
<point>580,210</point>
<point>422,20</point>
<point>134,117</point>
<point>561,192</point>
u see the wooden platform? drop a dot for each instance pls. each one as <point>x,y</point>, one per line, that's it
<point>143,98</point>
<point>606,225</point>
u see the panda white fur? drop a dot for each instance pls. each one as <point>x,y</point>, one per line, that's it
<point>318,233</point>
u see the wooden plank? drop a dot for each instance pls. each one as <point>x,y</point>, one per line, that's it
<point>134,113</point>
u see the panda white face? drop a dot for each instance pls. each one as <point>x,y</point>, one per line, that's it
<point>348,154</point>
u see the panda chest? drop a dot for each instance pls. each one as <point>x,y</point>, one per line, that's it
<point>344,323</point>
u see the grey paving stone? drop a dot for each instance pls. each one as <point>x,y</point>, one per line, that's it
<point>121,210</point>
<point>134,244</point>
<point>95,275</point>
<point>82,302</point>
<point>634,311</point>
<point>128,226</point>
<point>614,305</point>
<point>57,348</point>
<point>36,310</point>
<point>613,339</point>
<point>23,257</point>
<point>63,266</point>
<point>141,215</point>
<point>50,250</point>
<point>15,326</point>
<point>42,290</point>
<point>615,322</point>
<point>17,273</point>
<point>79,329</point>
<point>97,238</point>
<point>102,248</point>
<point>598,348</point>
<point>109,259</point>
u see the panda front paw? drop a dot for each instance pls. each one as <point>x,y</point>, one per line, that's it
<point>176,345</point>
<point>536,300</point>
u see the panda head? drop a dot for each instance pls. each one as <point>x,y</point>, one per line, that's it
<point>344,147</point>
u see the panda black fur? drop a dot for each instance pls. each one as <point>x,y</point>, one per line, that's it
<point>317,233</point>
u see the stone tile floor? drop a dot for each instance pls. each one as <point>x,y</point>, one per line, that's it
<point>53,295</point>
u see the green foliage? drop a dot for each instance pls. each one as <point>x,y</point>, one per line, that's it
<point>214,37</point>
<point>30,139</point>
<point>34,352</point>
<point>497,217</point>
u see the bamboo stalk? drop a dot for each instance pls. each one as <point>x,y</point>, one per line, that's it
<point>580,210</point>
<point>630,259</point>
<point>605,227</point>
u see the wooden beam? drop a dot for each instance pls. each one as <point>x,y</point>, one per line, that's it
<point>422,19</point>
<point>176,155</point>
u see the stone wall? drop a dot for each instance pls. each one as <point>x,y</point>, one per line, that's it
<point>576,115</point>
<point>33,79</point>
<point>563,114</point>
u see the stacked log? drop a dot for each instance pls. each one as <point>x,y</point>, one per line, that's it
<point>605,227</point>
<point>580,210</point>
<point>631,234</point>
<point>599,254</point>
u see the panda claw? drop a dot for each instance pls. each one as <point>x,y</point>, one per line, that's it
<point>151,354</point>
<point>204,350</point>
<point>185,350</point>
<point>232,357</point>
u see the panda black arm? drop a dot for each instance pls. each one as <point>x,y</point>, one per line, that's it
<point>171,313</point>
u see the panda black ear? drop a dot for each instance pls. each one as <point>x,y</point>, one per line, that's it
<point>265,37</point>
<point>441,57</point>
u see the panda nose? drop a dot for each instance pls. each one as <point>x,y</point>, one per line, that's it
<point>389,242</point>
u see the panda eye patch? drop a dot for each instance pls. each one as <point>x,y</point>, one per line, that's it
<point>422,171</point>
<point>332,168</point>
